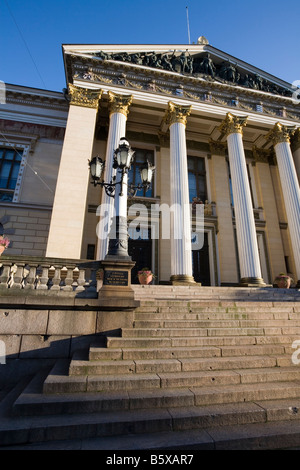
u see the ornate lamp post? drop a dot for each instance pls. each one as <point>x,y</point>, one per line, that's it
<point>117,263</point>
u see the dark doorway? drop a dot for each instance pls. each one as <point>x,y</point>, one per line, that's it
<point>201,271</point>
<point>140,251</point>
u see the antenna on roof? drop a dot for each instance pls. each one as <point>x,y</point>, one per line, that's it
<point>188,24</point>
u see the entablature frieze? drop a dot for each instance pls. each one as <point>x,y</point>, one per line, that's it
<point>183,87</point>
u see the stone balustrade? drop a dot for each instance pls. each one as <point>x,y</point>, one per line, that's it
<point>75,277</point>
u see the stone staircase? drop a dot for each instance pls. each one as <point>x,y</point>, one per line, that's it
<point>199,369</point>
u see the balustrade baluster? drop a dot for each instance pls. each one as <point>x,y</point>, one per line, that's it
<point>56,280</point>
<point>43,279</point>
<point>5,274</point>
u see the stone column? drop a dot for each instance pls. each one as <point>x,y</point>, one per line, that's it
<point>181,246</point>
<point>250,270</point>
<point>69,206</point>
<point>118,108</point>
<point>280,137</point>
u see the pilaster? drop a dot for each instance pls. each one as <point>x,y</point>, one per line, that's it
<point>69,207</point>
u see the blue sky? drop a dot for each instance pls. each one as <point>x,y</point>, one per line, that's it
<point>264,33</point>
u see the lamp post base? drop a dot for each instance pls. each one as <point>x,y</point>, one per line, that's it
<point>116,291</point>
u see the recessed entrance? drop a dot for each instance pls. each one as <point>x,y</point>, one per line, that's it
<point>140,250</point>
<point>201,267</point>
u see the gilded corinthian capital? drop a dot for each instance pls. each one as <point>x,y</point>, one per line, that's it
<point>233,124</point>
<point>84,96</point>
<point>119,103</point>
<point>177,113</point>
<point>280,134</point>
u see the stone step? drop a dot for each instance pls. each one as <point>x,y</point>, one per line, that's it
<point>185,332</point>
<point>58,381</point>
<point>270,294</point>
<point>209,331</point>
<point>189,342</point>
<point>146,366</point>
<point>208,323</point>
<point>159,306</point>
<point>221,297</point>
<point>104,354</point>
<point>270,435</point>
<point>22,430</point>
<point>33,402</point>
<point>213,315</point>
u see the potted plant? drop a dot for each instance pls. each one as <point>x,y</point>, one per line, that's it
<point>283,281</point>
<point>145,276</point>
<point>4,242</point>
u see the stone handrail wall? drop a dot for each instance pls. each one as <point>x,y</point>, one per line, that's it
<point>50,274</point>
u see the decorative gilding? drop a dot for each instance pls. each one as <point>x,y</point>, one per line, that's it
<point>176,113</point>
<point>119,103</point>
<point>280,134</point>
<point>233,124</point>
<point>84,97</point>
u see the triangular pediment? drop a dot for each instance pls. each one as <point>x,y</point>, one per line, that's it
<point>195,61</point>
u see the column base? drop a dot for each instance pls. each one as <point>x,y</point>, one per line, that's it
<point>252,282</point>
<point>183,280</point>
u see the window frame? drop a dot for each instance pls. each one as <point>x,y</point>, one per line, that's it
<point>21,149</point>
<point>198,173</point>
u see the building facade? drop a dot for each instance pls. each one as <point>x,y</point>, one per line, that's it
<point>224,139</point>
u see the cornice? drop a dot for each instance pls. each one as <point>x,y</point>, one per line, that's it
<point>28,99</point>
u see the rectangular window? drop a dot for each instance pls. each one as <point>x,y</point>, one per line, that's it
<point>140,157</point>
<point>10,160</point>
<point>197,178</point>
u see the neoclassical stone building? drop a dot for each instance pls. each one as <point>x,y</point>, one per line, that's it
<point>220,132</point>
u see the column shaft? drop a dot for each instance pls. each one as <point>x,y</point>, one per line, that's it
<point>250,269</point>
<point>117,127</point>
<point>244,218</point>
<point>119,107</point>
<point>181,246</point>
<point>280,137</point>
<point>291,194</point>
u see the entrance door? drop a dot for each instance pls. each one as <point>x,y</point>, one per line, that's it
<point>201,268</point>
<point>140,251</point>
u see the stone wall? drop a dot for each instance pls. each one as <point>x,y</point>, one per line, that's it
<point>27,227</point>
<point>35,331</point>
